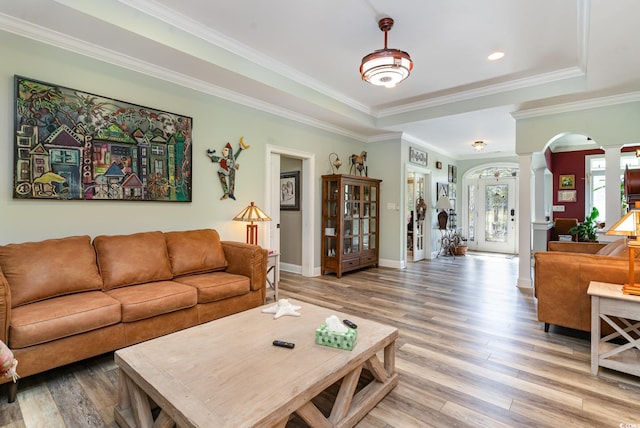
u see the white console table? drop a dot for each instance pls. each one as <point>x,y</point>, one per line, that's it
<point>622,313</point>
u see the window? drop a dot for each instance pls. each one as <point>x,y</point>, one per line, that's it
<point>596,182</point>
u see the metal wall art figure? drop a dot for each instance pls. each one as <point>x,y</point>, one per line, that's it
<point>227,167</point>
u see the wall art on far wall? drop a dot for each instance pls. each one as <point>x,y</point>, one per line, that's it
<point>567,182</point>
<point>71,144</point>
<point>453,173</point>
<point>567,196</point>
<point>417,156</point>
<point>290,191</point>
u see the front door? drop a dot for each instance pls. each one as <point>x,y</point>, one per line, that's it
<point>494,212</point>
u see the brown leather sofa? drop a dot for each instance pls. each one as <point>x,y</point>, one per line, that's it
<point>562,276</point>
<point>64,300</point>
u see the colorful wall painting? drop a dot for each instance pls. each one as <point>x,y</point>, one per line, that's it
<point>71,144</point>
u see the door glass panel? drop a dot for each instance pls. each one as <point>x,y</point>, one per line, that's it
<point>356,227</point>
<point>347,227</point>
<point>347,209</point>
<point>367,190</point>
<point>374,196</point>
<point>471,214</point>
<point>496,212</point>
<point>347,245</point>
<point>365,242</point>
<point>333,190</point>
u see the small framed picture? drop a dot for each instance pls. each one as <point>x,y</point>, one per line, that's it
<point>567,181</point>
<point>453,173</point>
<point>567,196</point>
<point>290,191</point>
<point>439,164</point>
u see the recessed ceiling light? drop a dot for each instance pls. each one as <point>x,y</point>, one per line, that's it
<point>494,56</point>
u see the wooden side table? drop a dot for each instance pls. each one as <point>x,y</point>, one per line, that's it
<point>622,313</point>
<point>273,272</point>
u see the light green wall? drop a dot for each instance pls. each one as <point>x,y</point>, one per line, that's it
<point>215,122</point>
<point>608,126</point>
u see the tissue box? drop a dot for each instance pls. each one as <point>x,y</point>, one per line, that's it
<point>326,337</point>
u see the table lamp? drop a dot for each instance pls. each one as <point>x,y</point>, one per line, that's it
<point>444,204</point>
<point>629,225</point>
<point>252,213</point>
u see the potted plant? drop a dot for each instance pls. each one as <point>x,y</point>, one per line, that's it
<point>586,231</point>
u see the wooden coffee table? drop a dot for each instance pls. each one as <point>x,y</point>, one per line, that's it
<point>227,373</point>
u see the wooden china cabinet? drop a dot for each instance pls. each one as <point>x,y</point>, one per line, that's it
<point>350,222</point>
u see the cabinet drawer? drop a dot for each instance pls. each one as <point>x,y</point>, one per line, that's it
<point>366,260</point>
<point>351,263</point>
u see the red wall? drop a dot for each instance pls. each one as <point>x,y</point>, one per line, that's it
<point>570,163</point>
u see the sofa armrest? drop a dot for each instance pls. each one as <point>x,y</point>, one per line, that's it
<point>248,260</point>
<point>575,247</point>
<point>5,308</point>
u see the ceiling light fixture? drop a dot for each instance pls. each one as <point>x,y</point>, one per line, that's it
<point>494,56</point>
<point>478,145</point>
<point>386,67</point>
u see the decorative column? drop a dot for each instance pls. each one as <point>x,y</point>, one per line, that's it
<point>525,231</point>
<point>612,191</point>
<point>542,200</point>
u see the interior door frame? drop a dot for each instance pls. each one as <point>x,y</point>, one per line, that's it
<point>428,228</point>
<point>307,201</point>
<point>467,179</point>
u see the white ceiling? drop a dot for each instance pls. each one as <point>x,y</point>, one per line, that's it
<point>300,59</point>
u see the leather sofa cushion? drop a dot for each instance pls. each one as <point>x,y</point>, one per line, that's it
<point>40,270</point>
<point>64,316</point>
<point>217,285</point>
<point>155,298</point>
<point>195,251</point>
<point>132,259</point>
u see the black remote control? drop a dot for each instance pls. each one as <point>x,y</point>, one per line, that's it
<point>349,324</point>
<point>283,344</point>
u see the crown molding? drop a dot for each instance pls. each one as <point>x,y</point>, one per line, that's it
<point>44,35</point>
<point>577,105</point>
<point>185,24</point>
<point>484,91</point>
<point>414,140</point>
<point>579,70</point>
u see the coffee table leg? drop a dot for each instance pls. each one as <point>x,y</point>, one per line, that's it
<point>390,358</point>
<point>133,408</point>
<point>345,395</point>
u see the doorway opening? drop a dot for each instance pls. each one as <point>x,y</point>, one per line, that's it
<point>489,219</point>
<point>417,216</point>
<point>307,207</point>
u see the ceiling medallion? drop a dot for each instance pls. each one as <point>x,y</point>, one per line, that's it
<point>478,145</point>
<point>386,67</point>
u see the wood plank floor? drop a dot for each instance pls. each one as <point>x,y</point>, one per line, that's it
<point>471,353</point>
